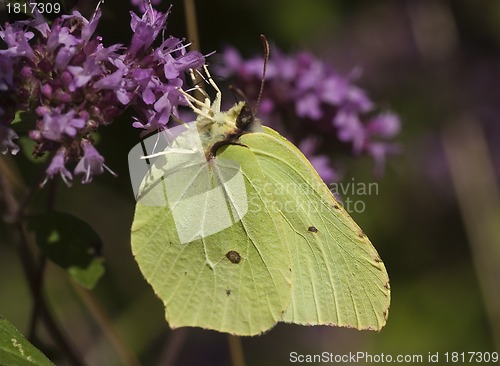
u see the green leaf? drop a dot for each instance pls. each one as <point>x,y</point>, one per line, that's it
<point>27,145</point>
<point>71,243</point>
<point>24,121</point>
<point>240,257</point>
<point>15,350</point>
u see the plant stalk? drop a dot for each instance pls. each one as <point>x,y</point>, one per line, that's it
<point>236,349</point>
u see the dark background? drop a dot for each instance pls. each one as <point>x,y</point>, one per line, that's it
<point>436,64</point>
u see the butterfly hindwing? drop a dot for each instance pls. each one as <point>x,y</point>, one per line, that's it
<point>236,280</point>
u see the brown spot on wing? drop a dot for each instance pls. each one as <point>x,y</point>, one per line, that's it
<point>233,256</point>
<point>312,229</point>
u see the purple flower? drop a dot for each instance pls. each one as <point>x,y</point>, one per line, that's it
<point>57,167</point>
<point>379,151</point>
<point>17,42</point>
<point>320,162</point>
<point>152,76</point>
<point>305,97</point>
<point>175,67</point>
<point>76,84</point>
<point>6,72</point>
<point>145,29</point>
<point>55,125</point>
<point>322,165</point>
<point>333,90</point>
<point>231,62</point>
<point>91,163</point>
<point>81,75</point>
<point>6,140</point>
<point>384,125</point>
<point>358,100</point>
<point>350,129</point>
<point>309,107</point>
<point>142,4</point>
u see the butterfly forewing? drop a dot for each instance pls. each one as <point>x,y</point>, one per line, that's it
<point>236,280</point>
<point>338,277</point>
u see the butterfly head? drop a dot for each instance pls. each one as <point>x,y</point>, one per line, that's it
<point>216,127</point>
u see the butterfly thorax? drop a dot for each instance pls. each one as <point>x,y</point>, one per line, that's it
<point>220,127</point>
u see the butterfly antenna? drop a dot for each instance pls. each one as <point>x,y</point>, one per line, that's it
<point>238,93</point>
<point>266,58</point>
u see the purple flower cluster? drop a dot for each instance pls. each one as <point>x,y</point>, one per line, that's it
<point>74,85</point>
<point>300,88</point>
<point>142,5</point>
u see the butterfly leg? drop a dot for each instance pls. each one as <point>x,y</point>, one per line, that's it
<point>219,144</point>
<point>197,86</point>
<point>208,79</point>
<point>191,101</point>
<point>218,96</point>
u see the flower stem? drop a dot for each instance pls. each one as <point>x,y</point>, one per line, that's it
<point>15,214</point>
<point>192,25</point>
<point>236,349</point>
<point>478,196</point>
<point>194,39</point>
<point>127,358</point>
<point>173,347</point>
<point>40,303</point>
<point>35,316</point>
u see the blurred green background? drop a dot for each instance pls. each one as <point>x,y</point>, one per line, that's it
<point>433,221</point>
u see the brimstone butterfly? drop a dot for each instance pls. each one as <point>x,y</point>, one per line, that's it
<point>235,231</point>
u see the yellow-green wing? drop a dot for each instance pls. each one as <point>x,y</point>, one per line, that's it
<point>338,277</point>
<point>236,280</point>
